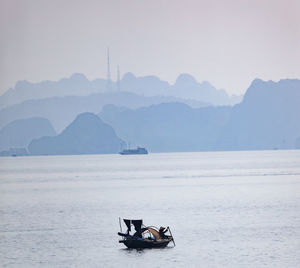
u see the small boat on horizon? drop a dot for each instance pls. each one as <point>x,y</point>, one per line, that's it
<point>138,150</point>
<point>145,236</point>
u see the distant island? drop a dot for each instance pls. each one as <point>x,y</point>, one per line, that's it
<point>266,119</point>
<point>19,133</point>
<point>87,134</point>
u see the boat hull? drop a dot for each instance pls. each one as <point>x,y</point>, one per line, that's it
<point>136,243</point>
<point>139,150</point>
<point>130,153</point>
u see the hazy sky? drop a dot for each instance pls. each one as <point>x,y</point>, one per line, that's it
<point>228,43</point>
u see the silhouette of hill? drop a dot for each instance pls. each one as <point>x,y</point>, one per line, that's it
<point>185,87</point>
<point>168,127</point>
<point>87,134</point>
<point>79,85</point>
<point>62,110</point>
<point>267,118</point>
<point>76,85</point>
<point>19,133</point>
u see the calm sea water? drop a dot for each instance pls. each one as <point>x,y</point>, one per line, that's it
<point>225,209</point>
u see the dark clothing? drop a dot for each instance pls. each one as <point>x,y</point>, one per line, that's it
<point>162,232</point>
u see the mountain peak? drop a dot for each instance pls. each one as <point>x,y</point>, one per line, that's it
<point>83,122</point>
<point>78,77</point>
<point>256,81</point>
<point>87,134</point>
<point>20,132</point>
<point>128,76</point>
<point>22,83</point>
<point>186,80</point>
<point>87,116</point>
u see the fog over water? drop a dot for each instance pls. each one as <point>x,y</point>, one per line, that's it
<point>229,209</point>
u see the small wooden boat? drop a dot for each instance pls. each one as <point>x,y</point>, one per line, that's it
<point>145,236</point>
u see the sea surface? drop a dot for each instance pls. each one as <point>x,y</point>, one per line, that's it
<point>225,209</point>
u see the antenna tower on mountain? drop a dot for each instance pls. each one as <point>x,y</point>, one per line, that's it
<point>108,79</point>
<point>118,79</point>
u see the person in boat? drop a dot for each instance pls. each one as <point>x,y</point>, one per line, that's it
<point>138,234</point>
<point>162,231</point>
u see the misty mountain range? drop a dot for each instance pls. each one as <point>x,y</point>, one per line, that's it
<point>87,134</point>
<point>186,88</point>
<point>19,133</point>
<point>267,118</point>
<point>168,127</point>
<point>61,111</point>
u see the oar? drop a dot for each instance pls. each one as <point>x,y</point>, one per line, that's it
<point>120,224</point>
<point>172,236</point>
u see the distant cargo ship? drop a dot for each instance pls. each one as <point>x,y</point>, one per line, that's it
<point>138,150</point>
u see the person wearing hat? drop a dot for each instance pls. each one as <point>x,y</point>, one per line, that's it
<point>162,231</point>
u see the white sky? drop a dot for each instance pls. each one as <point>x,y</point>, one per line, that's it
<point>226,42</point>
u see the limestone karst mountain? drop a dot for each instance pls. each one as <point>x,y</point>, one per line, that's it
<point>19,133</point>
<point>87,134</point>
<point>79,85</point>
<point>267,118</point>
